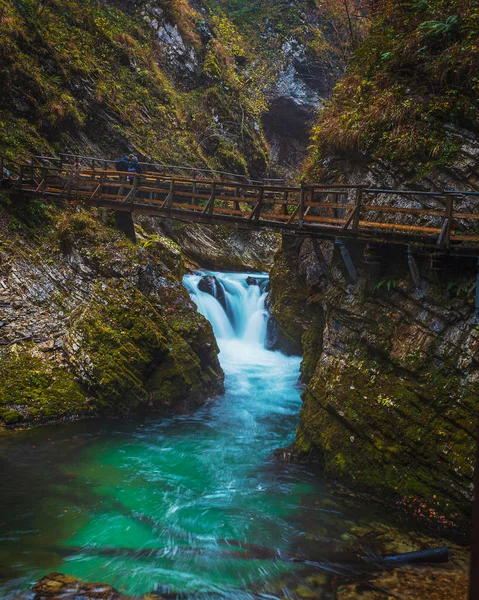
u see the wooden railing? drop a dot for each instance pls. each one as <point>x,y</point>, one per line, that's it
<point>445,220</point>
<point>76,161</point>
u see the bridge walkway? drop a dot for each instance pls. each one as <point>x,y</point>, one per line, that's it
<point>447,221</point>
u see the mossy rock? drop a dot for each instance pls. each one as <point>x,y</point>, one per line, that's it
<point>32,389</point>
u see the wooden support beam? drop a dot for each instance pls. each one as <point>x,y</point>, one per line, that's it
<point>236,203</point>
<point>285,203</point>
<point>301,206</point>
<point>169,198</point>
<point>294,213</point>
<point>351,217</point>
<point>449,218</point>
<point>357,209</point>
<point>256,212</point>
<point>208,209</point>
<point>193,195</point>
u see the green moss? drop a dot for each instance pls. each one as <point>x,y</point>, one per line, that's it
<point>405,439</point>
<point>32,389</point>
<point>134,340</point>
<point>312,342</point>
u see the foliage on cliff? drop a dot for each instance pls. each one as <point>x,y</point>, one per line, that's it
<point>327,29</point>
<point>414,79</point>
<point>102,77</point>
<point>92,324</point>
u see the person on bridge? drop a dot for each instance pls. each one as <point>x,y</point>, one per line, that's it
<point>129,164</point>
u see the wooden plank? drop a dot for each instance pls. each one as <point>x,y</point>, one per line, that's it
<point>187,206</point>
<point>464,238</point>
<point>266,216</point>
<point>406,228</point>
<point>329,205</point>
<point>332,220</point>
<point>466,216</point>
<point>407,211</point>
<point>229,211</point>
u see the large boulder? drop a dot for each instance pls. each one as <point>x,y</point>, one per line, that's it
<point>102,327</point>
<point>210,285</point>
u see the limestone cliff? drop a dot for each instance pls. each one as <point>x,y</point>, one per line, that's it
<point>218,247</point>
<point>92,324</point>
<point>155,77</point>
<point>392,395</point>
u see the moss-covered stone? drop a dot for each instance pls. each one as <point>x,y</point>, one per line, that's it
<point>392,399</point>
<point>33,389</point>
<point>114,330</point>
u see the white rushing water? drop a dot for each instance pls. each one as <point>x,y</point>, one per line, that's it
<point>242,317</point>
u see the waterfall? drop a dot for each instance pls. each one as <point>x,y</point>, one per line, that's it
<point>235,305</point>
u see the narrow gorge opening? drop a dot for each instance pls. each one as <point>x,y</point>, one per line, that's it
<point>194,505</point>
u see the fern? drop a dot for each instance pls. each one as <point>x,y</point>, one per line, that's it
<point>439,28</point>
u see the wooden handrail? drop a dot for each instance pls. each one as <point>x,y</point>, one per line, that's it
<point>320,209</point>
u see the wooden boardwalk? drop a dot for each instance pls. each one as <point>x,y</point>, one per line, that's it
<point>447,221</point>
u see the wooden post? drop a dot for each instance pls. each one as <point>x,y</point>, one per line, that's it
<point>133,191</point>
<point>449,217</point>
<point>285,205</point>
<point>100,193</point>
<point>260,204</point>
<point>193,198</point>
<point>212,199</point>
<point>236,203</point>
<point>169,197</point>
<point>357,209</point>
<point>301,205</point>
<point>334,211</point>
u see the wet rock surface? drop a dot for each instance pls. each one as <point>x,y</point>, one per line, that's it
<point>92,324</point>
<point>210,285</point>
<point>392,399</point>
<point>218,247</point>
<point>335,571</point>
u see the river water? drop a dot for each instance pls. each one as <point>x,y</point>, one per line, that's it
<point>193,504</point>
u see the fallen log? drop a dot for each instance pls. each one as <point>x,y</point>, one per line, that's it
<point>430,556</point>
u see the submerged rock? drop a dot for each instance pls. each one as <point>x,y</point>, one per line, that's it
<point>57,586</point>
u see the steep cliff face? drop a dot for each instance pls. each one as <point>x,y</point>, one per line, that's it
<point>305,45</point>
<point>392,396</point>
<point>219,247</point>
<point>91,324</point>
<point>159,78</point>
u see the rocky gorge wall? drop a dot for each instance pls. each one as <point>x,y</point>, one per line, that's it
<point>392,380</point>
<point>91,324</point>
